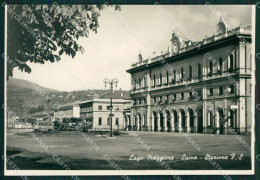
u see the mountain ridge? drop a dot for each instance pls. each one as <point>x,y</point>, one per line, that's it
<point>25,97</point>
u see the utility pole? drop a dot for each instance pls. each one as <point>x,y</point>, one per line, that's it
<point>111,83</point>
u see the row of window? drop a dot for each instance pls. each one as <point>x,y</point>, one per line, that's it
<point>65,112</point>
<point>86,108</point>
<point>230,89</point>
<point>100,123</point>
<point>142,83</point>
<point>192,95</point>
<point>108,108</point>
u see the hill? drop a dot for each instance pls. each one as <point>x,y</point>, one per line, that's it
<point>25,97</point>
<point>14,83</point>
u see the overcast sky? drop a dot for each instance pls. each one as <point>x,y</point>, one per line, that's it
<point>120,37</point>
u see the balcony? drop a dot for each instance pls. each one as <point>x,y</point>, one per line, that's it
<point>136,90</point>
<point>151,60</point>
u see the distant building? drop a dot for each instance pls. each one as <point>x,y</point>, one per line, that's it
<point>197,87</point>
<point>16,123</point>
<point>43,115</point>
<point>96,111</point>
<point>67,110</point>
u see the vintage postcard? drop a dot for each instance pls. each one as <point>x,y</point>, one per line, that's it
<point>129,90</point>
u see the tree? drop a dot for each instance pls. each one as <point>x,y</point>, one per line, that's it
<point>31,120</point>
<point>41,33</point>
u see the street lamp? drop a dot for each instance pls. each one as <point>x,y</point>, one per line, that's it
<point>111,83</point>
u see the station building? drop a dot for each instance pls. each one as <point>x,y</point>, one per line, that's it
<point>196,87</point>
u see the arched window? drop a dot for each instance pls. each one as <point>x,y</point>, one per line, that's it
<point>199,70</point>
<point>190,72</point>
<point>174,76</point>
<point>100,121</point>
<point>117,121</point>
<point>220,65</point>
<point>182,74</point>
<point>210,68</point>
<point>231,63</point>
<point>167,77</point>
<point>160,79</point>
<point>154,80</point>
<point>145,81</point>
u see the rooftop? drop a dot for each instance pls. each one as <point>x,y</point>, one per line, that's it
<point>117,94</point>
<point>188,45</point>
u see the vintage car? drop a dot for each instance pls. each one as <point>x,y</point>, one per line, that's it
<point>43,126</point>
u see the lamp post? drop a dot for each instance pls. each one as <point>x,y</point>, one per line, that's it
<point>111,83</point>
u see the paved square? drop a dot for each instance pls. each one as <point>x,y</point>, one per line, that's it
<point>125,150</point>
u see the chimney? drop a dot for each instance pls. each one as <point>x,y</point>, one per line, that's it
<point>122,94</point>
<point>154,54</point>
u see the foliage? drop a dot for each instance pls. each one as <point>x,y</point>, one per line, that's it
<point>56,124</point>
<point>42,33</point>
<point>31,120</point>
<point>71,120</point>
<point>33,110</point>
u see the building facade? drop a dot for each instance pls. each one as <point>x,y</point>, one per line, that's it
<point>96,111</point>
<point>196,87</point>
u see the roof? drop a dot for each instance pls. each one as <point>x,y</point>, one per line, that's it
<point>69,104</point>
<point>194,47</point>
<point>115,95</point>
<point>42,113</point>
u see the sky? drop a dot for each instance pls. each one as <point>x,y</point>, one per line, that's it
<point>120,38</point>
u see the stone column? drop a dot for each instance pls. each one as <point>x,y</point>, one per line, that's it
<point>137,124</point>
<point>148,101</point>
<point>185,124</point>
<point>165,122</point>
<point>205,110</point>
<point>152,122</point>
<point>180,119</point>
<point>172,123</point>
<point>217,121</point>
<point>132,115</point>
<point>188,122</point>
<point>158,122</point>
<point>195,123</point>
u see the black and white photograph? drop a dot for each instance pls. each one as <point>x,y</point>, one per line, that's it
<point>124,90</point>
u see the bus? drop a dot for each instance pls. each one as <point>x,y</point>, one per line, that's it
<point>43,126</point>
